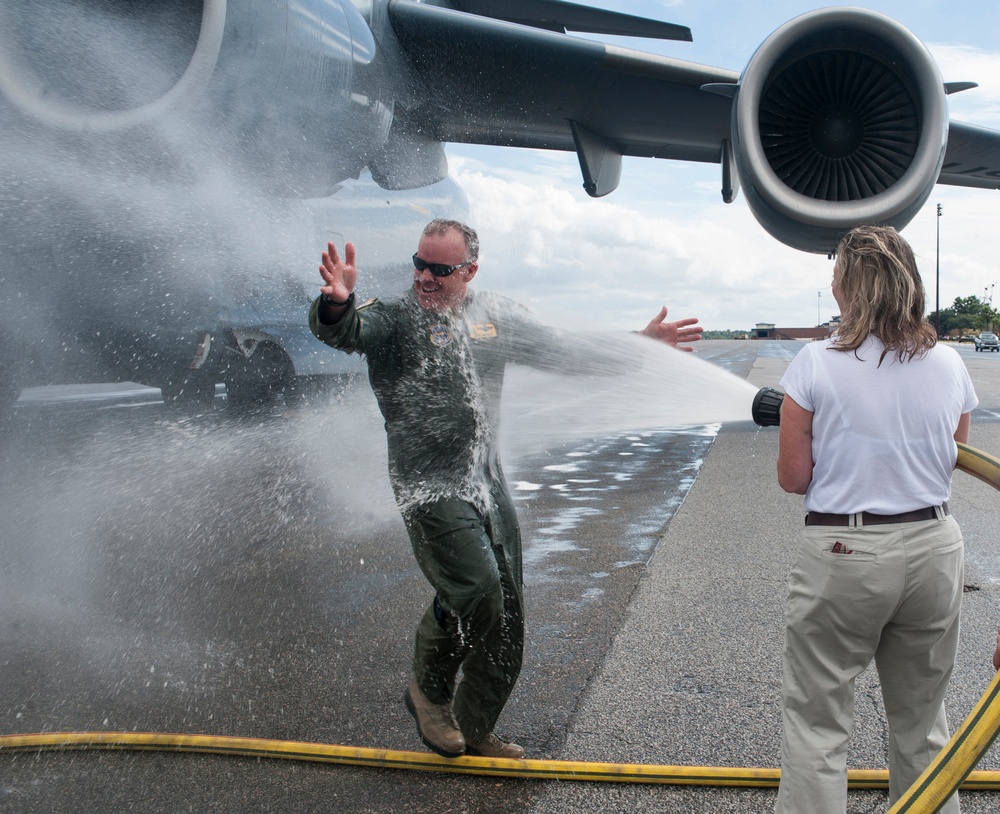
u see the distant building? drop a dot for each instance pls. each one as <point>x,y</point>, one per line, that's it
<point>767,330</point>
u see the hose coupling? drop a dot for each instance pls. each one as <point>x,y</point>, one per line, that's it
<point>766,410</point>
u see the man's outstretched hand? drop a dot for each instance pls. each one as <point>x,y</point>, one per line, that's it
<point>339,276</point>
<point>675,334</point>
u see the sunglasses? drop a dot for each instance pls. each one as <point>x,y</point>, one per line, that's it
<point>437,269</point>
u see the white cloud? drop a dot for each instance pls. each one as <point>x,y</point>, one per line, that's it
<point>614,263</point>
<point>964,63</point>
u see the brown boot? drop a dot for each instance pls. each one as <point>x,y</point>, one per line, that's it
<point>435,722</point>
<point>492,746</point>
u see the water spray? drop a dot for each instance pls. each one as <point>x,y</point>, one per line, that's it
<point>32,97</point>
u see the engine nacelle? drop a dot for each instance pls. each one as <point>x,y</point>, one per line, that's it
<point>290,94</point>
<point>840,119</point>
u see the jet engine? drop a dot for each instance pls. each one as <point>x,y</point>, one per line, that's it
<point>840,118</point>
<point>292,95</point>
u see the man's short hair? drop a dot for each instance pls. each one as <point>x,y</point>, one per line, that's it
<point>440,226</point>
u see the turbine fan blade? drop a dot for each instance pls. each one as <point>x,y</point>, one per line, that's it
<point>839,125</point>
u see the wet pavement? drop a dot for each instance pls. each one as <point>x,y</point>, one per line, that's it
<point>198,574</point>
<point>192,573</point>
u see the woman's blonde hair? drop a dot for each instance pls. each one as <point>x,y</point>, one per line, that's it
<point>882,294</point>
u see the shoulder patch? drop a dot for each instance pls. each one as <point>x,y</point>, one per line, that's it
<point>440,335</point>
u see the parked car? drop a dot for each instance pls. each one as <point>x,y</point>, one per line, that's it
<point>987,341</point>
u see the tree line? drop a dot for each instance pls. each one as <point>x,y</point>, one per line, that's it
<point>967,315</point>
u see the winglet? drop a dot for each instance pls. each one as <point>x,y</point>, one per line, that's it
<point>958,87</point>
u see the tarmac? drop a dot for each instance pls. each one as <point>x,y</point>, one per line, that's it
<point>678,663</point>
<point>694,675</point>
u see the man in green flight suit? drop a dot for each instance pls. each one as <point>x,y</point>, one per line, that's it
<point>436,359</point>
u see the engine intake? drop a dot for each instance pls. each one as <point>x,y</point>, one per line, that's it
<point>840,119</point>
<point>293,96</point>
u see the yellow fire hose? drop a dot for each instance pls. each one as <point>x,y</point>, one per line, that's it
<point>979,464</point>
<point>428,762</point>
<point>952,769</point>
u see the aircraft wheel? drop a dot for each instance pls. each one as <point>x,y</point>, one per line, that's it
<point>261,381</point>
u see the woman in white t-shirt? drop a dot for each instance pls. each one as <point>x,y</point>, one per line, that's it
<point>868,430</point>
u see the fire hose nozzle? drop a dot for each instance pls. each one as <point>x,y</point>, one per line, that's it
<point>766,410</point>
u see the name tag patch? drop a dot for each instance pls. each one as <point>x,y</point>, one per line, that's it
<point>485,330</point>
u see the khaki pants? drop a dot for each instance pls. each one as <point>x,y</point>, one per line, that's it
<point>892,593</point>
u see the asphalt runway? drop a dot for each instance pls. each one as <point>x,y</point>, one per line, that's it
<point>178,573</point>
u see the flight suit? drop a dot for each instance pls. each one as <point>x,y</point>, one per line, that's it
<point>438,378</point>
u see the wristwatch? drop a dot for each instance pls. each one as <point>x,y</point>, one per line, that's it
<point>326,299</point>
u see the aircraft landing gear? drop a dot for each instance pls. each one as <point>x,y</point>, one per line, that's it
<point>260,381</point>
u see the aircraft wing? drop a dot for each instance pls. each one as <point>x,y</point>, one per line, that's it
<point>973,157</point>
<point>488,81</point>
<point>561,16</point>
<point>839,118</point>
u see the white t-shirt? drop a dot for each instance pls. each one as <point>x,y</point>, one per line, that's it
<point>883,437</point>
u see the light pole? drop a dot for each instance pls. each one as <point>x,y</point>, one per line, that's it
<point>819,319</point>
<point>937,282</point>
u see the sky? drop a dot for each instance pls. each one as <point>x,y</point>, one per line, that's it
<point>664,237</point>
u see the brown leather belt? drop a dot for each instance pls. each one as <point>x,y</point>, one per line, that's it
<point>869,519</point>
